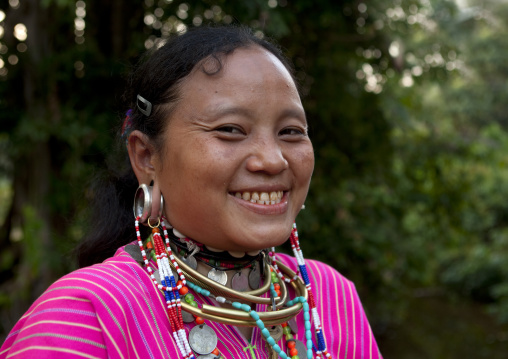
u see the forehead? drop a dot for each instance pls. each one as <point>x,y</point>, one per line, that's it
<point>249,68</point>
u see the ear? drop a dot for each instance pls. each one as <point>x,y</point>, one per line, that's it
<point>142,156</point>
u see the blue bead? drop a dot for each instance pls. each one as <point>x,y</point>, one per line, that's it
<point>306,307</point>
<point>302,299</point>
<point>308,334</point>
<point>306,316</point>
<point>270,341</point>
<point>309,353</point>
<point>276,348</point>
<point>260,324</point>
<point>290,303</point>
<point>283,355</point>
<point>254,315</point>
<point>236,305</point>
<point>307,325</point>
<point>265,333</point>
<point>246,308</point>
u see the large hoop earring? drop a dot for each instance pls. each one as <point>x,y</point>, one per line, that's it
<point>144,206</point>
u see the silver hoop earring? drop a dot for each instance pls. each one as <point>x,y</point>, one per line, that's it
<point>143,204</point>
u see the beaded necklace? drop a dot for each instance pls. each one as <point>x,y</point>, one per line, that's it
<point>174,289</point>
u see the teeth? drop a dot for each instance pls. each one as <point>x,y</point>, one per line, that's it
<point>266,198</point>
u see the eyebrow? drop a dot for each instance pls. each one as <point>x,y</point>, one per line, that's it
<point>222,110</point>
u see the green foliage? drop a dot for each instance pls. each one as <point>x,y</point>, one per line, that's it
<point>406,102</point>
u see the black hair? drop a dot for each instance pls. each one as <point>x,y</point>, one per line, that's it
<point>156,78</point>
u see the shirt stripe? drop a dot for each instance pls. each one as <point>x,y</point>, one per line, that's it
<point>113,310</point>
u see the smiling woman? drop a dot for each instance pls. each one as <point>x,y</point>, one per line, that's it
<point>220,165</point>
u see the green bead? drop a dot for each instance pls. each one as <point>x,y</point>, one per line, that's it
<point>182,253</point>
<point>295,357</point>
<point>212,262</point>
<point>194,304</point>
<point>189,297</point>
<point>286,330</point>
<point>289,336</point>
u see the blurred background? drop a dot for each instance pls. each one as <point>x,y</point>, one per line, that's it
<point>407,102</point>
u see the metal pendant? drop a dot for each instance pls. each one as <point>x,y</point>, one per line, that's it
<point>255,276</point>
<point>240,282</point>
<point>218,276</point>
<point>187,317</point>
<point>302,350</point>
<point>202,339</point>
<point>135,252</point>
<point>208,356</point>
<point>293,325</point>
<point>157,276</point>
<point>190,261</point>
<point>276,333</point>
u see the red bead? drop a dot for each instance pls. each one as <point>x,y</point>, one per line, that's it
<point>291,344</point>
<point>215,351</point>
<point>199,320</point>
<point>276,286</point>
<point>183,290</point>
<point>285,324</point>
<point>278,292</point>
<point>149,245</point>
<point>293,352</point>
<point>155,230</point>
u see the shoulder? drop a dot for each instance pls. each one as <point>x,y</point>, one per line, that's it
<point>89,310</point>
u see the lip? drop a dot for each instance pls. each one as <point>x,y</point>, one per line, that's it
<point>278,208</point>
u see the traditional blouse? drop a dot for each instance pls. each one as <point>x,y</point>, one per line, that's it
<point>113,310</point>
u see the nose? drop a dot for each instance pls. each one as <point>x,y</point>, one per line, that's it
<point>267,157</point>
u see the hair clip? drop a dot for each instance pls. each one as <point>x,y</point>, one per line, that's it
<point>146,107</point>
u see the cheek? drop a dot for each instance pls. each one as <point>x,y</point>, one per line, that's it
<point>304,163</point>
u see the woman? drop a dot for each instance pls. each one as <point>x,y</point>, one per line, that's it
<point>220,156</point>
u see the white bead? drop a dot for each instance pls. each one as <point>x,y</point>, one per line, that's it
<point>220,299</point>
<point>178,233</point>
<point>213,249</point>
<point>237,254</point>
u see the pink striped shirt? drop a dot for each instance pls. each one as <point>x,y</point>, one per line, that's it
<point>113,310</point>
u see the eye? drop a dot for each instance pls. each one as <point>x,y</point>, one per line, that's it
<point>293,131</point>
<point>229,129</point>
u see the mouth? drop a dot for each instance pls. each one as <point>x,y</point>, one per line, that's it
<point>266,198</point>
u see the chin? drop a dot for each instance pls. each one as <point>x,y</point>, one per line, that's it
<point>265,240</point>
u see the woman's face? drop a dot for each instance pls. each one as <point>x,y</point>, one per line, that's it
<point>234,136</point>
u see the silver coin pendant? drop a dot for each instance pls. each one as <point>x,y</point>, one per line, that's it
<point>254,277</point>
<point>187,317</point>
<point>293,325</point>
<point>300,346</point>
<point>202,339</point>
<point>240,282</point>
<point>218,276</point>
<point>191,262</point>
